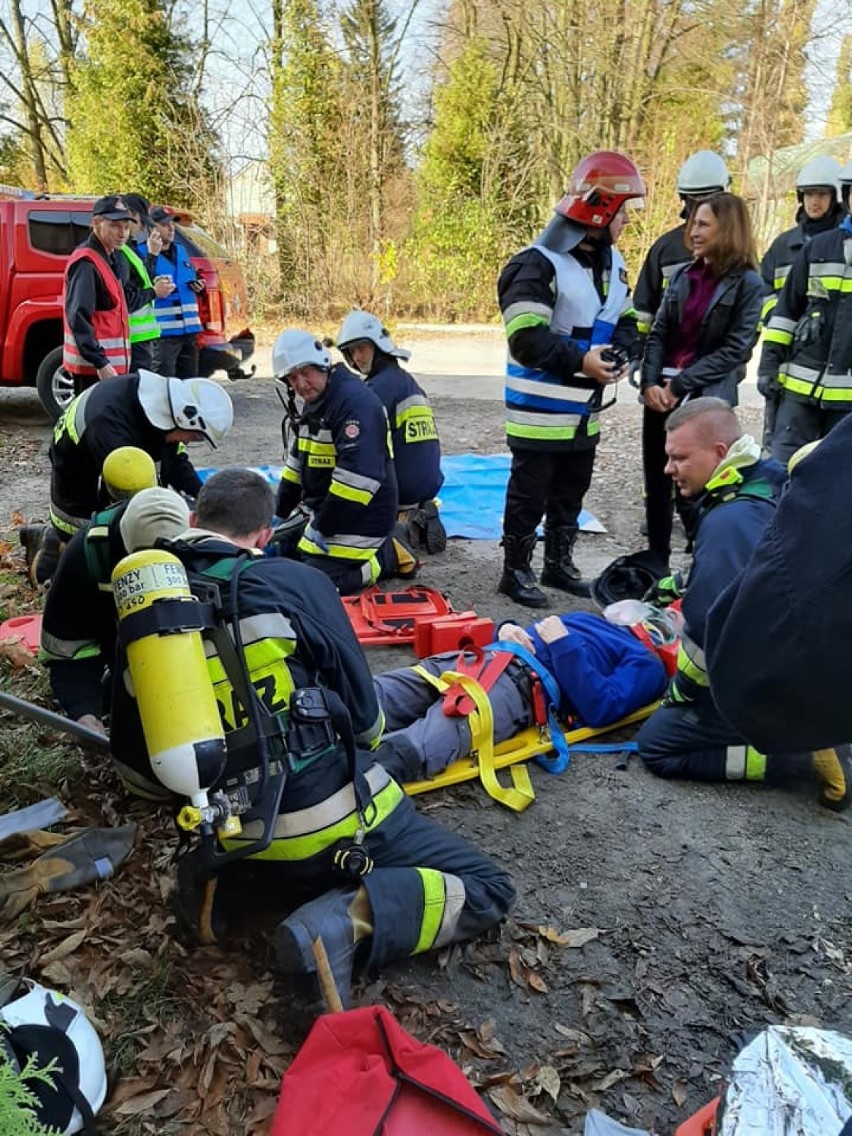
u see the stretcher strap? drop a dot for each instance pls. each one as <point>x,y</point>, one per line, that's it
<point>481,722</point>
<point>562,757</point>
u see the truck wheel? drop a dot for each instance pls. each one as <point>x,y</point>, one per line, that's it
<point>55,387</point>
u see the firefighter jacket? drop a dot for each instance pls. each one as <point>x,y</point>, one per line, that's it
<point>295,633</point>
<point>737,505</point>
<point>98,421</point>
<point>340,465</point>
<point>666,255</point>
<point>78,625</point>
<point>416,449</point>
<point>556,305</point>
<point>777,638</point>
<point>726,335</point>
<point>94,306</point>
<point>778,258</point>
<point>807,344</point>
<point>177,313</point>
<point>142,319</point>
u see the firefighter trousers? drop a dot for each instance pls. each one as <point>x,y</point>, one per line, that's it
<point>693,741</point>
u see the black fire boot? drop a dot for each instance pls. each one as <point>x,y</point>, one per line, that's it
<point>318,944</point>
<point>32,539</point>
<point>560,571</point>
<point>518,580</point>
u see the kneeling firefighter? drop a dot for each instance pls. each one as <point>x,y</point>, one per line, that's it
<point>269,758</point>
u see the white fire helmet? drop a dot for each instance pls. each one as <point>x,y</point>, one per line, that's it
<point>49,1025</point>
<point>359,326</point>
<point>295,348</point>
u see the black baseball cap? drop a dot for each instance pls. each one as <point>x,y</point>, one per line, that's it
<point>112,208</point>
<point>159,213</point>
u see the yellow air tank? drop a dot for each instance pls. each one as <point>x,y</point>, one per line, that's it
<point>158,623</point>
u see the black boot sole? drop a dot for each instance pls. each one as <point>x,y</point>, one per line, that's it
<point>582,588</point>
<point>534,601</point>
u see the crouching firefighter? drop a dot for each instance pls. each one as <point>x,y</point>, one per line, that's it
<point>272,761</point>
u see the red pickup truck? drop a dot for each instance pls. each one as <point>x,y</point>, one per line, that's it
<point>37,235</point>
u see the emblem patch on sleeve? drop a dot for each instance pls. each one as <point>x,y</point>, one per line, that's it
<point>352,429</point>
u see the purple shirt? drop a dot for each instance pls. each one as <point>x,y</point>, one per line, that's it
<point>702,285</point>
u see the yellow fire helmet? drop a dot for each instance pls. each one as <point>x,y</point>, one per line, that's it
<point>127,470</point>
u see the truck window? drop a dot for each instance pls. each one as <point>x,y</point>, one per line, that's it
<point>57,232</point>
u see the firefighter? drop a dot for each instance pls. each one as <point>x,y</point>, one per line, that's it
<point>602,672</point>
<point>340,467</point>
<point>155,414</point>
<point>382,881</point>
<point>807,344</point>
<point>368,348</point>
<point>571,329</point>
<point>711,459</point>
<point>817,191</point>
<point>78,625</point>
<point>778,637</point>
<point>96,330</point>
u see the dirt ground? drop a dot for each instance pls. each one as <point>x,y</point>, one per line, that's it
<point>708,912</point>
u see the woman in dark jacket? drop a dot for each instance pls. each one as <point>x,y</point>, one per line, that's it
<point>700,342</point>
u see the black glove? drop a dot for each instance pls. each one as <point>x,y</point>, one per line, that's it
<point>811,326</point>
<point>768,385</point>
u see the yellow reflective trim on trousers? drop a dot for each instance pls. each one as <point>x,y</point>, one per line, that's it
<point>642,327</point>
<point>774,335</point>
<point>755,768</point>
<point>291,475</point>
<point>550,433</point>
<point>292,848</point>
<point>433,908</point>
<point>338,551</point>
<point>525,319</point>
<point>348,493</point>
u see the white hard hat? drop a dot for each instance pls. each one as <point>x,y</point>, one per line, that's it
<point>295,348</point>
<point>703,172</point>
<point>188,404</point>
<point>48,1024</point>
<point>202,405</point>
<point>822,172</point>
<point>360,325</point>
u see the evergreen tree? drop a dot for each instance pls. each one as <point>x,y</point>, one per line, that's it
<point>840,113</point>
<point>134,123</point>
<point>306,152</point>
<point>375,131</point>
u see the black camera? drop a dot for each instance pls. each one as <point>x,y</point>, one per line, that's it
<point>616,355</point>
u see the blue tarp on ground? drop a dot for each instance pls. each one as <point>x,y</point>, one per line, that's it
<point>471,497</point>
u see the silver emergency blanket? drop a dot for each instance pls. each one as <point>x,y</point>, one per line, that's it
<point>790,1079</point>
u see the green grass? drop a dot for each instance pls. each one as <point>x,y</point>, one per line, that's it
<point>149,999</point>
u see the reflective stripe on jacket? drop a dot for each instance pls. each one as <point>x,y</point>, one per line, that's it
<point>808,340</point>
<point>143,321</point>
<point>177,313</point>
<point>539,405</point>
<point>110,325</point>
